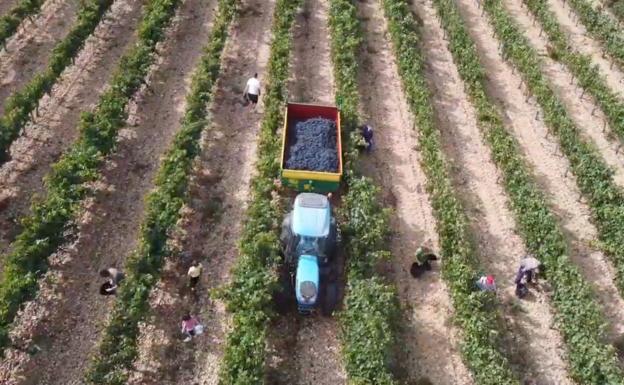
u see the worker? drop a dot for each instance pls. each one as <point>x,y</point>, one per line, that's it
<point>367,133</point>
<point>191,327</point>
<point>529,267</point>
<point>114,277</point>
<point>252,91</point>
<point>486,283</point>
<point>423,257</point>
<point>194,272</point>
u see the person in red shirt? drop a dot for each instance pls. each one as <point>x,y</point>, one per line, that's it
<point>191,327</point>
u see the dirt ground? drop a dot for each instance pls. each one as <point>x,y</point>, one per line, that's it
<point>550,167</point>
<point>64,319</point>
<point>54,129</point>
<point>28,50</point>
<point>212,222</point>
<point>6,5</point>
<point>584,110</point>
<point>428,340</point>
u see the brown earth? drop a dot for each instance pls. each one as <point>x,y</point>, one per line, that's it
<point>28,50</point>
<point>65,320</point>
<point>550,167</point>
<point>53,130</point>
<point>6,5</point>
<point>428,341</point>
<point>212,222</point>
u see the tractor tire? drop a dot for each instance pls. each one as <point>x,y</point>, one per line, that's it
<point>330,299</point>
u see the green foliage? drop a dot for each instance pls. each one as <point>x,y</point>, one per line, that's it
<point>371,306</point>
<point>15,16</point>
<point>602,27</point>
<point>578,316</point>
<point>249,295</point>
<point>580,65</point>
<point>480,331</point>
<point>118,347</point>
<point>23,102</point>
<point>67,183</point>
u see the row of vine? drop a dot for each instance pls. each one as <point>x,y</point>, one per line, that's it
<point>44,230</point>
<point>371,305</point>
<point>580,65</point>
<point>118,347</point>
<point>23,102</point>
<point>16,15</point>
<point>578,316</point>
<point>479,325</point>
<point>602,27</point>
<point>593,176</point>
<point>249,296</point>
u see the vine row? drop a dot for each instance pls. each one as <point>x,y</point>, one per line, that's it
<point>580,66</point>
<point>481,345</point>
<point>578,317</point>
<point>368,321</point>
<point>67,184</point>
<point>11,21</point>
<point>249,297</point>
<point>593,177</point>
<point>23,102</point>
<point>118,348</point>
<point>602,27</point>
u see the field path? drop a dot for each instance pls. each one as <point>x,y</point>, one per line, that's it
<point>583,42</point>
<point>550,166</point>
<point>588,117</point>
<point>534,346</point>
<point>428,342</point>
<point>66,318</point>
<point>306,350</point>
<point>28,51</point>
<point>54,129</point>
<point>212,222</point>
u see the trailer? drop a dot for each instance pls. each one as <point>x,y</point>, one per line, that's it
<point>309,180</point>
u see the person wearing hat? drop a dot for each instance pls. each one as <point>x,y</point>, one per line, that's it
<point>527,271</point>
<point>486,283</point>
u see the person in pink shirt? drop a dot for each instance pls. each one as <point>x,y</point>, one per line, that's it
<point>191,327</point>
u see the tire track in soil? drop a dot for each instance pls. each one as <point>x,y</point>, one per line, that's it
<point>584,111</point>
<point>549,166</point>
<point>212,222</point>
<point>54,128</point>
<point>582,41</point>
<point>28,51</point>
<point>68,315</point>
<point>306,350</point>
<point>428,341</point>
<point>534,345</point>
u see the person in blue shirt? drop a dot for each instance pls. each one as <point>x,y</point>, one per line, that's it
<point>367,133</point>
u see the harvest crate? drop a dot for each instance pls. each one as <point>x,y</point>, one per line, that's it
<point>305,180</point>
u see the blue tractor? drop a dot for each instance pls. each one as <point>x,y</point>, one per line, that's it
<point>308,241</point>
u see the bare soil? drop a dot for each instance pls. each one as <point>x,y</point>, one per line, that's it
<point>6,5</point>
<point>68,315</point>
<point>583,109</point>
<point>28,50</point>
<point>549,165</point>
<point>429,342</point>
<point>534,345</point>
<point>583,42</point>
<point>53,130</point>
<point>212,222</point>
<point>306,350</point>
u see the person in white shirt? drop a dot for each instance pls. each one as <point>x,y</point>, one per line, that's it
<point>194,272</point>
<point>252,90</point>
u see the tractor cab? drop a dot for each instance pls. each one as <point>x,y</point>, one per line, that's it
<point>308,241</point>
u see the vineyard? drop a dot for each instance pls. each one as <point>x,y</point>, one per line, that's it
<point>126,142</point>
